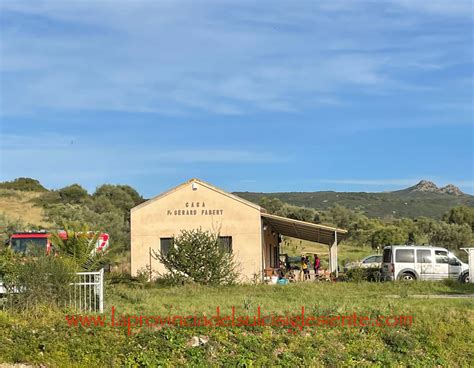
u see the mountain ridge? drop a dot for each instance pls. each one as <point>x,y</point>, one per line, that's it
<point>430,187</point>
<point>423,199</point>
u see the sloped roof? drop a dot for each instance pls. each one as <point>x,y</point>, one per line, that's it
<point>304,230</point>
<point>204,184</point>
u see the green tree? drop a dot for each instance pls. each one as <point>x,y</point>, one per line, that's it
<point>388,235</point>
<point>272,205</point>
<point>299,213</point>
<point>198,256</point>
<point>73,194</point>
<point>451,236</point>
<point>460,215</point>
<point>341,216</point>
<point>121,196</point>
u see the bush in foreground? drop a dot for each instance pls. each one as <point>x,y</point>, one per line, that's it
<point>198,256</point>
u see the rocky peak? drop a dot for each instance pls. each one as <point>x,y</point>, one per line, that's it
<point>426,186</point>
<point>430,187</point>
<point>451,189</point>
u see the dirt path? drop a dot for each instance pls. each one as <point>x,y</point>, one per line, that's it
<point>434,296</point>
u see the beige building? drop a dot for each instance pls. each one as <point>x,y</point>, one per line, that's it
<point>250,233</point>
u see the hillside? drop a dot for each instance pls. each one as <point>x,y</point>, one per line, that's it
<point>18,205</point>
<point>423,199</point>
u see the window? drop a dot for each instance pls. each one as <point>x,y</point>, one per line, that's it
<point>165,244</point>
<point>29,245</point>
<point>387,255</point>
<point>441,256</point>
<point>453,261</point>
<point>371,260</point>
<point>423,256</point>
<point>405,256</point>
<point>226,242</point>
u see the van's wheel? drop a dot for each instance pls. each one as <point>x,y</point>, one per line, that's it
<point>407,276</point>
<point>466,279</point>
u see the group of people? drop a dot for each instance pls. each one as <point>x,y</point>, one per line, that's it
<point>286,271</point>
<point>305,265</point>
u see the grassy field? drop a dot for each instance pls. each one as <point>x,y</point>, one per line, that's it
<point>441,333</point>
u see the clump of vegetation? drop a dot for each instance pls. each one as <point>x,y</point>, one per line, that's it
<point>363,274</point>
<point>8,226</point>
<point>454,232</point>
<point>108,209</point>
<point>38,280</point>
<point>24,184</point>
<point>198,256</point>
<point>42,281</point>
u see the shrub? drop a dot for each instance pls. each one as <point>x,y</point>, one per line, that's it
<point>198,256</point>
<point>9,268</point>
<point>7,227</point>
<point>363,274</point>
<point>40,281</point>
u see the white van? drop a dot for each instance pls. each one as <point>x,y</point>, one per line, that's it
<point>413,262</point>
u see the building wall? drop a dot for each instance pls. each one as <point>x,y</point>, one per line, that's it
<point>186,209</point>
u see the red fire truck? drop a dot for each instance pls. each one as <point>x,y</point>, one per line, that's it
<point>23,242</point>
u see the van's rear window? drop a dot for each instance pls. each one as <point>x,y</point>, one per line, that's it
<point>387,255</point>
<point>405,256</point>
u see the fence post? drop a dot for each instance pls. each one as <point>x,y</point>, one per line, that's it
<point>101,291</point>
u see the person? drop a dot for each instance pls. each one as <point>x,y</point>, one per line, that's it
<point>303,269</point>
<point>287,263</point>
<point>317,264</point>
<point>281,275</point>
<point>308,264</point>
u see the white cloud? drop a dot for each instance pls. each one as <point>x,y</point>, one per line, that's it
<point>171,58</point>
<point>462,8</point>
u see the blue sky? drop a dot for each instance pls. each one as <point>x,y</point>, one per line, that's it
<point>257,96</point>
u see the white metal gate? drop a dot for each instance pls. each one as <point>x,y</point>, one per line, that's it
<point>87,292</point>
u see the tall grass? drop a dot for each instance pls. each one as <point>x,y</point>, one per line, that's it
<point>441,333</point>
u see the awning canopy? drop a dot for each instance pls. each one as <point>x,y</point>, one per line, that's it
<point>304,230</point>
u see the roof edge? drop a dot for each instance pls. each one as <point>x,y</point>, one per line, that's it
<point>325,227</point>
<point>203,183</point>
